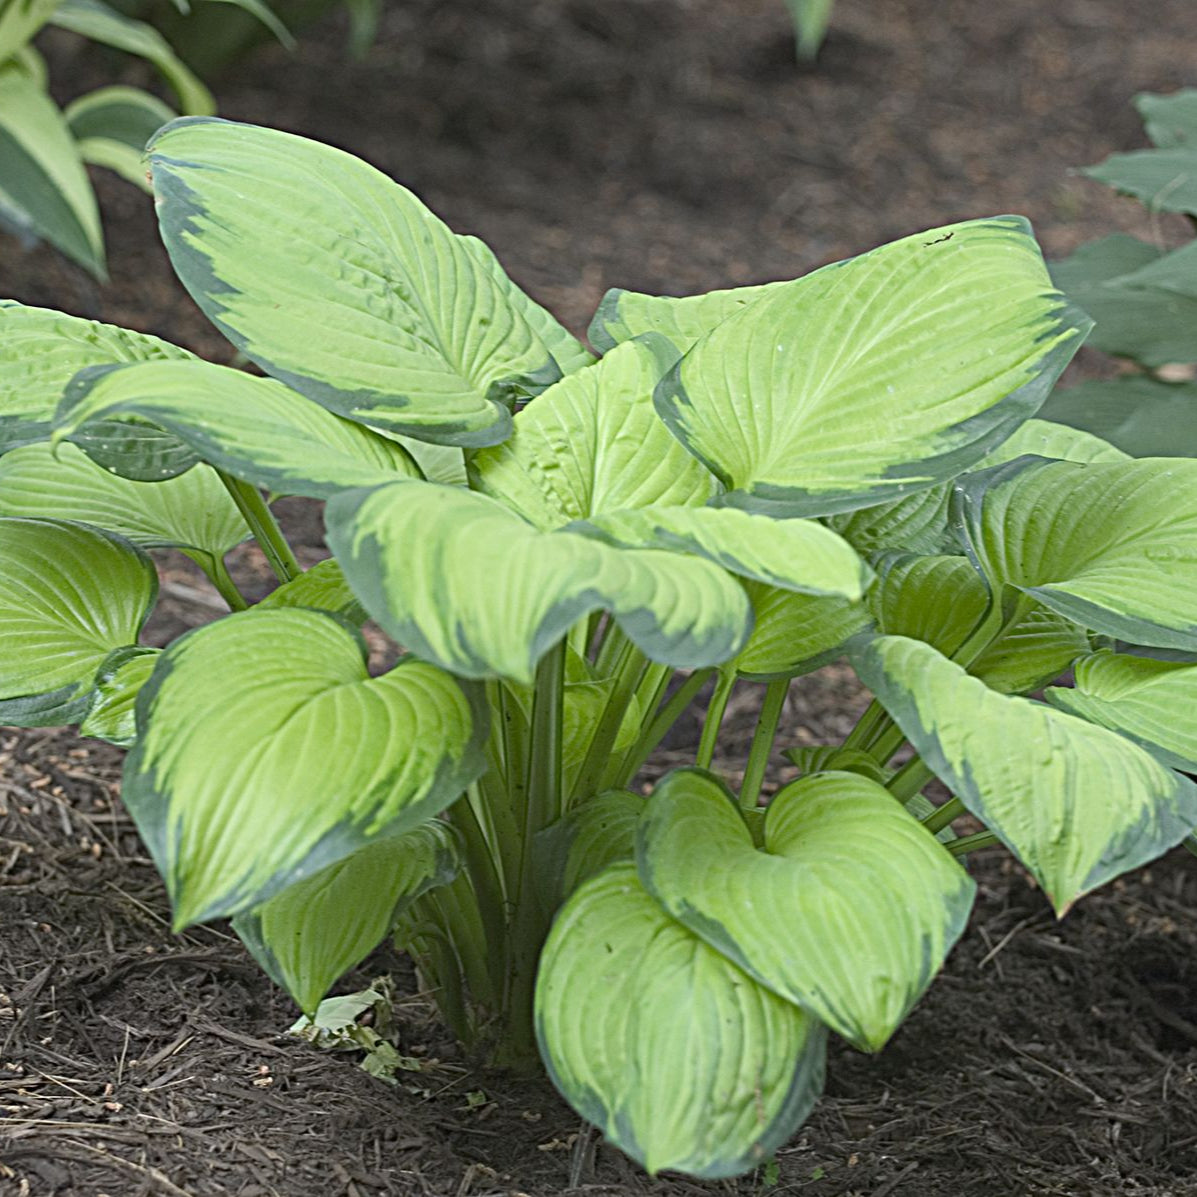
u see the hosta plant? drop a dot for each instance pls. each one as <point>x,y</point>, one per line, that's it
<point>566,550</point>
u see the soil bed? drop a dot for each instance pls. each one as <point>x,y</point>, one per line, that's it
<point>664,145</point>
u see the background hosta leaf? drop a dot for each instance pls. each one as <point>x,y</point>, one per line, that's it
<point>1170,120</point>
<point>795,633</point>
<point>252,427</point>
<point>593,442</point>
<point>459,579</point>
<point>44,190</point>
<point>266,753</point>
<point>42,350</point>
<point>112,125</point>
<point>69,596</point>
<point>681,1059</point>
<point>322,588</point>
<point>799,555</point>
<point>849,912</point>
<point>810,24</point>
<point>1109,545</point>
<point>1142,416</point>
<point>800,424</point>
<point>623,315</point>
<point>110,714</point>
<point>599,832</point>
<point>339,282</point>
<point>1152,702</point>
<point>1164,180</point>
<point>193,511</point>
<point>316,930</point>
<point>19,21</point>
<point>1077,804</point>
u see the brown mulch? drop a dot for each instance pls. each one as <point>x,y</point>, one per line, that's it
<point>666,145</point>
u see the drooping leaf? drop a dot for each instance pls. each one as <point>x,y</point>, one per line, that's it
<point>1152,702</point>
<point>1170,120</point>
<point>1142,416</point>
<point>110,714</point>
<point>316,930</point>
<point>461,580</point>
<point>266,753</point>
<point>598,833</point>
<point>42,350</point>
<point>1111,546</point>
<point>193,511</point>
<point>849,912</point>
<point>1077,804</point>
<point>69,596</point>
<point>44,189</point>
<point>930,351</point>
<point>255,428</point>
<point>623,315</point>
<point>20,20</point>
<point>795,633</point>
<point>261,11</point>
<point>95,20</point>
<point>112,125</point>
<point>682,1060</point>
<point>594,443</point>
<point>1164,180</point>
<point>340,283</point>
<point>321,588</point>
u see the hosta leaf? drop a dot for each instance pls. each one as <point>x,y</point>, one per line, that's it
<point>69,596</point>
<point>265,753</point>
<point>42,350</point>
<point>112,125</point>
<point>19,21</point>
<point>1044,438</point>
<point>623,315</point>
<point>810,24</point>
<point>110,714</point>
<point>593,443</point>
<point>193,511</point>
<point>459,579</point>
<point>95,20</point>
<point>824,758</point>
<point>799,555</point>
<point>1039,647</point>
<point>599,832</point>
<point>795,633</point>
<point>1141,415</point>
<point>1111,546</point>
<point>1164,180</point>
<point>321,588</point>
<point>930,351</point>
<point>252,427</point>
<point>316,930</point>
<point>1150,701</point>
<point>44,190</point>
<point>1170,120</point>
<point>340,283</point>
<point>681,1059</point>
<point>849,912</point>
<point>1077,804</point>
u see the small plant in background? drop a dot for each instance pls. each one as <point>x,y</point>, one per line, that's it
<point>44,189</point>
<point>1142,298</point>
<point>745,484</point>
<point>810,19</point>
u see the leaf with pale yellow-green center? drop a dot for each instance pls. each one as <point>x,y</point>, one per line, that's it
<point>111,713</point>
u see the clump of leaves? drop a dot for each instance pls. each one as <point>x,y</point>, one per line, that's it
<point>1143,298</point>
<point>745,484</point>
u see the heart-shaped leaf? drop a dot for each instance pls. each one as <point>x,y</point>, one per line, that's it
<point>1077,804</point>
<point>849,912</point>
<point>255,428</point>
<point>340,283</point>
<point>316,930</point>
<point>591,443</point>
<point>461,580</point>
<point>265,753</point>
<point>1111,546</point>
<point>682,1060</point>
<point>1152,702</point>
<point>69,596</point>
<point>897,390</point>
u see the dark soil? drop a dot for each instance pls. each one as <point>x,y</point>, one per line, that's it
<point>666,145</point>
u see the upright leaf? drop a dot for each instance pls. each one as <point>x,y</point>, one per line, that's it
<point>340,283</point>
<point>682,1060</point>
<point>265,753</point>
<point>69,596</point>
<point>929,352</point>
<point>849,912</point>
<point>1077,804</point>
